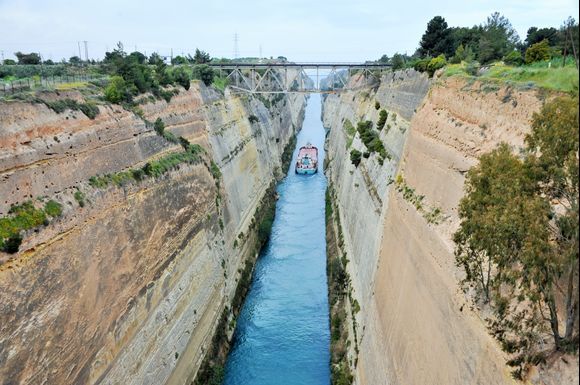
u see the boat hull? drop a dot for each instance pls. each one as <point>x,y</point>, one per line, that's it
<point>306,171</point>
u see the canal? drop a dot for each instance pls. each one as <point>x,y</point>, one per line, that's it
<point>282,335</point>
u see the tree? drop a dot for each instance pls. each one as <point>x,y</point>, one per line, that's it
<point>513,58</point>
<point>518,237</point>
<point>181,76</point>
<point>468,37</point>
<point>397,61</point>
<point>462,54</point>
<point>204,73</point>
<point>538,52</point>
<point>9,62</point>
<point>155,59</point>
<point>536,35</point>
<point>383,115</point>
<point>27,58</point>
<point>384,59</point>
<point>355,157</point>
<point>498,38</point>
<point>437,39</point>
<point>116,91</point>
<point>75,60</point>
<point>137,57</point>
<point>201,57</point>
<point>179,60</point>
<point>116,56</point>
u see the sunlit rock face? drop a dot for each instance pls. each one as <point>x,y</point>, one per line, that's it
<point>415,325</point>
<point>129,287</point>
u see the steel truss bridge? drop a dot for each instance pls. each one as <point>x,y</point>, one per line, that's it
<point>267,78</point>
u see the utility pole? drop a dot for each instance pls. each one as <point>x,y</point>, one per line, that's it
<point>236,49</point>
<point>86,51</point>
<point>79,45</point>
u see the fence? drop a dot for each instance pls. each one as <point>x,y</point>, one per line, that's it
<point>18,85</point>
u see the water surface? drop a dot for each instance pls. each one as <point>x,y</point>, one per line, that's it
<point>282,335</point>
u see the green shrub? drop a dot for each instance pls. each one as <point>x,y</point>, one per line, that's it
<point>371,140</point>
<point>377,105</point>
<point>184,143</point>
<point>215,170</point>
<point>116,91</point>
<point>435,64</point>
<point>182,77</point>
<point>355,157</point>
<point>80,198</point>
<point>53,208</point>
<point>383,116</point>
<point>422,64</point>
<point>462,54</point>
<point>89,109</point>
<point>472,68</point>
<point>12,244</point>
<point>204,73</point>
<point>538,52</point>
<point>59,106</point>
<point>159,126</point>
<point>513,58</point>
<point>253,119</point>
<point>24,217</point>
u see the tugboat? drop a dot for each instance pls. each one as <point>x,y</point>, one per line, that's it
<point>307,162</point>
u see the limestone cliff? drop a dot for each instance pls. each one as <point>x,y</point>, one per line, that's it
<point>415,325</point>
<point>128,286</point>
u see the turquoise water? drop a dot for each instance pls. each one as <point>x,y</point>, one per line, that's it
<point>282,335</point>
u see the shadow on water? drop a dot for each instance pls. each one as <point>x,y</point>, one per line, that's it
<point>282,335</point>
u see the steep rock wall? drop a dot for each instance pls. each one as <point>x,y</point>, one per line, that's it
<point>415,324</point>
<point>128,288</point>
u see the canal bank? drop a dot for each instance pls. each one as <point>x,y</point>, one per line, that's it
<point>282,334</point>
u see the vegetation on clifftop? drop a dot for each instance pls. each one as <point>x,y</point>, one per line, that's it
<point>518,238</point>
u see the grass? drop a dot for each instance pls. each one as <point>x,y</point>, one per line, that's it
<point>220,83</point>
<point>70,86</point>
<point>555,78</point>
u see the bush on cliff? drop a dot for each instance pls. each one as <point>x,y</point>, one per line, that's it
<point>355,157</point>
<point>383,115</point>
<point>181,76</point>
<point>435,64</point>
<point>204,73</point>
<point>24,217</point>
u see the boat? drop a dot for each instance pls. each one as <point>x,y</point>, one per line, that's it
<point>307,162</point>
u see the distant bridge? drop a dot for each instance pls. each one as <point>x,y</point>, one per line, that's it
<point>267,78</point>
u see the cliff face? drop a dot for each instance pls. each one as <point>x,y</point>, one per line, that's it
<point>129,287</point>
<point>415,325</point>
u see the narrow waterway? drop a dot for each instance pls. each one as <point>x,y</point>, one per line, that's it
<point>282,335</point>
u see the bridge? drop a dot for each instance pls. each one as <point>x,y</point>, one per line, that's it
<point>267,78</point>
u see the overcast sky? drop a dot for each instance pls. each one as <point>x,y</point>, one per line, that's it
<point>302,30</point>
